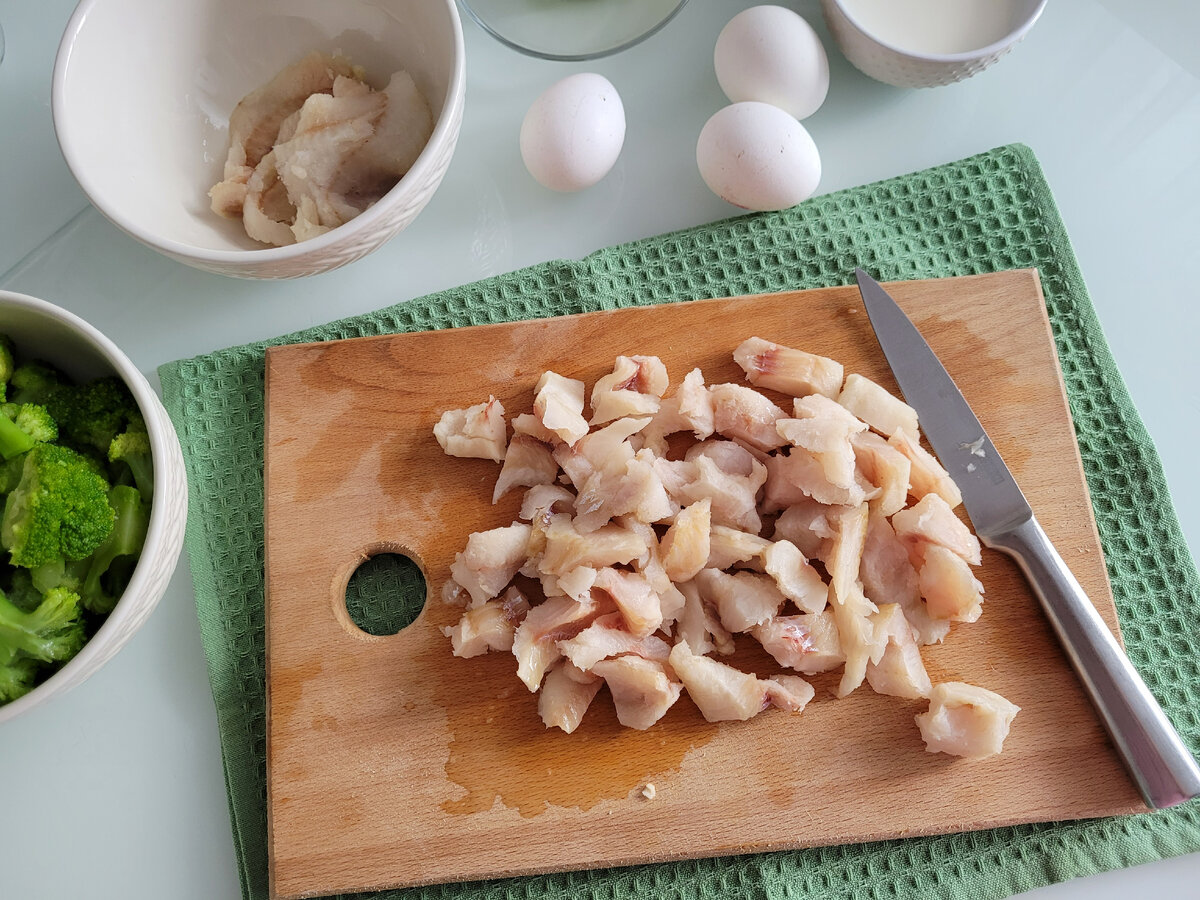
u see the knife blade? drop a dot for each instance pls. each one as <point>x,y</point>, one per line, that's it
<point>1157,759</point>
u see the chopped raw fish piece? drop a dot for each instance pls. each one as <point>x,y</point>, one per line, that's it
<point>888,576</point>
<point>821,424</point>
<point>598,465</point>
<point>454,594</point>
<point>780,491</point>
<point>932,520</point>
<point>807,524</point>
<point>729,546</point>
<point>900,672</point>
<point>885,467</point>
<point>805,470</point>
<point>725,694</point>
<point>699,625</point>
<point>743,599</point>
<point>670,599</point>
<point>685,546</point>
<point>795,578</point>
<point>642,691</point>
<point>637,491</point>
<point>965,720</point>
<point>400,135</point>
<point>786,370</point>
<point>789,692</point>
<point>607,636</point>
<point>851,609</point>
<point>490,561</point>
<point>255,121</point>
<point>546,498</point>
<point>528,423</point>
<point>558,405</point>
<point>350,148</point>
<point>634,388</point>
<point>608,545</point>
<point>727,475</point>
<point>527,462</point>
<point>634,598</point>
<point>267,211</point>
<point>488,627</point>
<point>950,590</point>
<point>743,413</point>
<point>535,643</point>
<point>808,643</point>
<point>330,128</point>
<point>566,694</point>
<point>878,407</point>
<point>476,432</point>
<point>927,475</point>
<point>578,582</point>
<point>688,409</point>
<point>721,692</point>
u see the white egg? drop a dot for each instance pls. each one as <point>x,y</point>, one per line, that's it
<point>758,157</point>
<point>772,55</point>
<point>573,133</point>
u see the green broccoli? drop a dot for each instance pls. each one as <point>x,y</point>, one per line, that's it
<point>35,382</point>
<point>23,426</point>
<point>59,509</point>
<point>133,449</point>
<point>16,678</point>
<point>10,474</point>
<point>68,573</point>
<point>91,415</point>
<point>51,633</point>
<point>125,540</point>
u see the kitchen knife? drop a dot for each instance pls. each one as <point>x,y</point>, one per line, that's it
<point>1164,770</point>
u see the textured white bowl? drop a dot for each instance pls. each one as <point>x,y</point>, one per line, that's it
<point>44,331</point>
<point>143,90</point>
<point>876,55</point>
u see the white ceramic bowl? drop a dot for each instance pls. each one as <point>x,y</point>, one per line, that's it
<point>143,90</point>
<point>884,57</point>
<point>43,330</point>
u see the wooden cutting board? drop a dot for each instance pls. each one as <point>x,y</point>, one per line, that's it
<point>390,762</point>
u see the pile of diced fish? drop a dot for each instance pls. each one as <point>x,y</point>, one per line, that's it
<point>651,562</point>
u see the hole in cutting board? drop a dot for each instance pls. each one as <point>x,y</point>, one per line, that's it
<point>385,594</point>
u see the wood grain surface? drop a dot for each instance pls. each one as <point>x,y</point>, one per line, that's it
<point>390,762</point>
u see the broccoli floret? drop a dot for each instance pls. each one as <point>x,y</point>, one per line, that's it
<point>51,633</point>
<point>35,382</point>
<point>125,540</point>
<point>59,509</point>
<point>21,590</point>
<point>133,449</point>
<point>16,678</point>
<point>23,426</point>
<point>91,415</point>
<point>68,573</point>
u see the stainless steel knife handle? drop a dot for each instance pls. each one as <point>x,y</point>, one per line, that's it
<point>1165,772</point>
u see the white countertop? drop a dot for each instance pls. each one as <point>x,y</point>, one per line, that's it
<point>116,789</point>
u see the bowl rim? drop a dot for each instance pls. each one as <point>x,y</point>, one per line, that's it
<point>114,626</point>
<point>991,49</point>
<point>444,130</point>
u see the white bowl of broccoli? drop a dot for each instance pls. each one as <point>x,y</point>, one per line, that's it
<point>93,498</point>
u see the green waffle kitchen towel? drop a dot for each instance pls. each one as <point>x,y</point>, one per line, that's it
<point>990,212</point>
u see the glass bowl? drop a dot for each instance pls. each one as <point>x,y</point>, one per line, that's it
<point>571,30</point>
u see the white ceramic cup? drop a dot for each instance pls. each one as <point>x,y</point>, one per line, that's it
<point>894,56</point>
